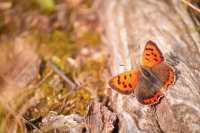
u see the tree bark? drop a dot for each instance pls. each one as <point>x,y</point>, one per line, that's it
<point>100,119</point>
<point>129,24</point>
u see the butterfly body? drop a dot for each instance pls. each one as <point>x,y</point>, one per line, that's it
<point>149,80</point>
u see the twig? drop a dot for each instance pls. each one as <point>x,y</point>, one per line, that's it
<point>191,5</point>
<point>33,89</point>
<point>44,79</point>
<point>62,75</point>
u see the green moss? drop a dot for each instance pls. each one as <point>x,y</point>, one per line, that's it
<point>46,6</point>
<point>92,37</point>
<point>197,28</point>
<point>88,38</point>
<point>83,96</point>
<point>60,43</point>
<point>56,43</point>
<point>88,3</point>
<point>56,97</point>
<point>2,119</point>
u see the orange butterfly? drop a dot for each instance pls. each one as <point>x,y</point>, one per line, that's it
<point>149,79</point>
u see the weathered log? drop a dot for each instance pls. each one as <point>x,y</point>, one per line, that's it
<point>129,24</point>
<point>100,119</point>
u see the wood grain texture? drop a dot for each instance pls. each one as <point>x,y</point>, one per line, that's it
<point>129,24</point>
<point>100,119</point>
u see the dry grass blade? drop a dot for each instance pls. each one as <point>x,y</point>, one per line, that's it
<point>62,75</point>
<point>191,5</point>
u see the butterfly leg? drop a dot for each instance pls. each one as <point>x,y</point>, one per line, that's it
<point>153,108</point>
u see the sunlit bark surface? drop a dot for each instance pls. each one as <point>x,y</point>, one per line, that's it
<point>129,24</point>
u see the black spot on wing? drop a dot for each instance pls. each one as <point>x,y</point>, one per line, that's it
<point>125,77</point>
<point>149,49</point>
<point>155,59</point>
<point>155,55</point>
<point>125,86</point>
<point>130,85</point>
<point>118,81</point>
<point>118,77</point>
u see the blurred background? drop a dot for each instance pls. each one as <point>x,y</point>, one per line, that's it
<point>53,63</point>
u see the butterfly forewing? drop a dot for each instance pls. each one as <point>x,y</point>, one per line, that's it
<point>151,55</point>
<point>171,77</point>
<point>125,82</point>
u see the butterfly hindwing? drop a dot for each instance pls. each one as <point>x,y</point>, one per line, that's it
<point>125,82</point>
<point>153,82</point>
<point>148,90</point>
<point>151,55</point>
<point>154,99</point>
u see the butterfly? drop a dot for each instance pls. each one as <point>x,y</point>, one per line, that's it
<point>149,80</point>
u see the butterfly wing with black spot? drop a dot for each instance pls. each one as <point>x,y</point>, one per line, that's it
<point>125,82</point>
<point>151,55</point>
